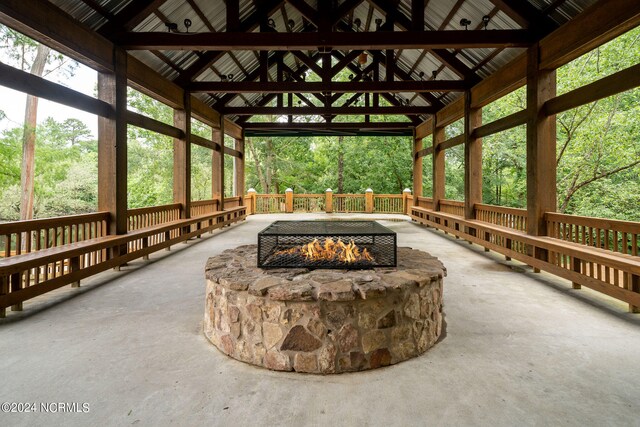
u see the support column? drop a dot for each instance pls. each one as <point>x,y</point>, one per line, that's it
<point>472,158</point>
<point>182,157</point>
<point>328,200</point>
<point>417,169</point>
<point>368,200</point>
<point>238,170</point>
<point>112,145</point>
<point>217,167</point>
<point>541,148</point>
<point>438,165</point>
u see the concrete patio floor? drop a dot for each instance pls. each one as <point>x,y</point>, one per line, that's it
<point>520,349</point>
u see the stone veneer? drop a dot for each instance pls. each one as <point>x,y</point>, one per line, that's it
<point>323,321</point>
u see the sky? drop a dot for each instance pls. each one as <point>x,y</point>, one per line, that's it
<point>12,102</point>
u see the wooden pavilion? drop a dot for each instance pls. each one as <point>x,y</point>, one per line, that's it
<point>222,62</point>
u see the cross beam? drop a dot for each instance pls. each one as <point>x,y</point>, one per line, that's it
<point>332,87</point>
<point>322,111</point>
<point>454,39</point>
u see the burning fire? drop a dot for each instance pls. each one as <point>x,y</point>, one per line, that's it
<point>330,250</point>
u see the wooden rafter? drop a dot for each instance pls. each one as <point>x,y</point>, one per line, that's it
<point>454,39</point>
<point>320,111</point>
<point>130,16</point>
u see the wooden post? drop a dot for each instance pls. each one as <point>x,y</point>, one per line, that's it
<point>368,200</point>
<point>251,201</point>
<point>288,200</point>
<point>541,148</point>
<point>112,145</point>
<point>4,290</point>
<point>576,265</point>
<point>406,200</point>
<point>182,158</point>
<point>238,170</point>
<point>328,200</point>
<point>438,165</point>
<point>417,169</point>
<point>217,168</point>
<point>634,287</point>
<point>472,158</point>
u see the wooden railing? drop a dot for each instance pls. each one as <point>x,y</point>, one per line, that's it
<point>388,203</point>
<point>424,202</point>
<point>452,207</point>
<point>269,203</point>
<point>349,203</point>
<point>33,235</point>
<point>598,253</point>
<point>64,250</point>
<point>507,217</point>
<point>153,215</point>
<point>232,202</point>
<point>611,235</point>
<point>308,202</point>
<point>201,207</point>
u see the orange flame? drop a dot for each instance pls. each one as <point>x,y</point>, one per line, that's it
<point>330,250</point>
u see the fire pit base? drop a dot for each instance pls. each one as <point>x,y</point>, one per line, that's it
<point>323,321</point>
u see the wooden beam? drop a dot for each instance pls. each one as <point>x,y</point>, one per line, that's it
<point>526,15</point>
<point>308,61</point>
<point>46,23</point>
<point>233,153</point>
<point>425,152</point>
<point>238,170</point>
<point>329,86</point>
<point>453,39</point>
<point>182,158</point>
<point>417,167</point>
<point>37,86</point>
<point>319,111</point>
<point>541,145</point>
<point>305,10</point>
<point>500,125</point>
<point>417,17</point>
<point>472,158</point>
<point>425,128</point>
<point>130,16</point>
<point>217,167</point>
<point>450,113</point>
<point>598,24</point>
<point>438,177</point>
<point>329,126</point>
<point>144,122</point>
<point>345,8</point>
<point>621,81</point>
<point>451,142</point>
<point>204,142</point>
<point>112,145</point>
<point>344,61</point>
<point>504,81</point>
<point>233,15</point>
<point>232,129</point>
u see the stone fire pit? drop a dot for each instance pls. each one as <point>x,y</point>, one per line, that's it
<point>323,321</point>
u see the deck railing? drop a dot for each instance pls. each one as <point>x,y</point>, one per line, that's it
<point>201,207</point>
<point>598,253</point>
<point>308,202</point>
<point>452,207</point>
<point>500,215</point>
<point>32,235</point>
<point>612,235</point>
<point>328,202</point>
<point>232,202</point>
<point>424,202</point>
<point>37,256</point>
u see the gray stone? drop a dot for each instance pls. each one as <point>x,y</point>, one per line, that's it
<point>335,291</point>
<point>291,292</point>
<point>262,285</point>
<point>327,359</point>
<point>371,289</point>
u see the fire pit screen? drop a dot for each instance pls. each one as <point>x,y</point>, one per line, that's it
<point>326,244</point>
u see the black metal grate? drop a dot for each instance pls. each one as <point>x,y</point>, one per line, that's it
<point>278,242</point>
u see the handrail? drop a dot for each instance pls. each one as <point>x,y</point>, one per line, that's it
<point>502,215</point>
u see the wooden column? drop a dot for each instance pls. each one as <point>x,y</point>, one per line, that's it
<point>541,145</point>
<point>328,200</point>
<point>541,148</point>
<point>112,145</point>
<point>368,200</point>
<point>438,165</point>
<point>472,158</point>
<point>417,169</point>
<point>238,170</point>
<point>217,167</point>
<point>182,158</point>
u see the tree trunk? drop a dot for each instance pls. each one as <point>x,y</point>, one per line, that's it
<point>27,174</point>
<point>340,165</point>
